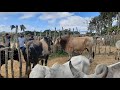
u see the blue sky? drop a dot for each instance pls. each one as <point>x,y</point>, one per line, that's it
<point>46,20</point>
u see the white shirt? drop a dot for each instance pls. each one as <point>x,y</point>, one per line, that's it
<point>21,41</point>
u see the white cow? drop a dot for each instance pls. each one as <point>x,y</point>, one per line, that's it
<point>80,62</point>
<point>101,71</point>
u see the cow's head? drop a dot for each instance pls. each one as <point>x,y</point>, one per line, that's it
<point>101,71</point>
<point>57,41</point>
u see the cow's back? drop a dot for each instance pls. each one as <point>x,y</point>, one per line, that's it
<point>77,43</point>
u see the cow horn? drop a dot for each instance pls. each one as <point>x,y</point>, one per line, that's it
<point>75,72</point>
<point>101,71</point>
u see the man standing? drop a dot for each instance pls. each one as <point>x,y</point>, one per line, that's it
<point>22,40</point>
<point>7,40</point>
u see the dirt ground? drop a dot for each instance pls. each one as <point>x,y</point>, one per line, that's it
<point>103,58</point>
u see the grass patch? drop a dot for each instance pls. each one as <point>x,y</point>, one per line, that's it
<point>60,53</point>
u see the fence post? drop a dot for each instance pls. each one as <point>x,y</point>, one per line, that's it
<point>73,32</point>
<point>6,62</point>
<point>19,54</point>
<point>11,57</point>
<point>63,31</point>
<point>0,63</point>
<point>50,33</point>
<point>40,34</point>
<point>46,33</point>
<point>110,44</point>
<point>55,34</point>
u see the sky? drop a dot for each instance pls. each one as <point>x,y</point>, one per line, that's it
<point>41,21</point>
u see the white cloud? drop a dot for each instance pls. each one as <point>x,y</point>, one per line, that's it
<point>27,15</point>
<point>24,15</point>
<point>75,21</point>
<point>4,28</point>
<point>5,18</point>
<point>52,16</point>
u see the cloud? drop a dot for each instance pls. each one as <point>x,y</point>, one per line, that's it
<point>52,16</point>
<point>5,18</point>
<point>75,21</point>
<point>4,28</point>
<point>27,15</point>
<point>24,15</point>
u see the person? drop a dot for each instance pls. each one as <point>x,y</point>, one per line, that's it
<point>31,38</point>
<point>22,40</point>
<point>7,40</point>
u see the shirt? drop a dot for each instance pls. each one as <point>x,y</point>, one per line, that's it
<point>21,41</point>
<point>7,40</point>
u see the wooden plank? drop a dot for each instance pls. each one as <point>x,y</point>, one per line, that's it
<point>2,49</point>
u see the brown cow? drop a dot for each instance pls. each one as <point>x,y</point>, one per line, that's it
<point>72,44</point>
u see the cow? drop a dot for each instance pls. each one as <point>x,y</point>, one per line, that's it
<point>72,44</point>
<point>101,71</point>
<point>61,70</point>
<point>38,50</point>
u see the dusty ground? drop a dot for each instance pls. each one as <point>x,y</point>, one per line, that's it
<point>99,59</point>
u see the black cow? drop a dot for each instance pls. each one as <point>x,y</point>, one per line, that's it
<point>38,50</point>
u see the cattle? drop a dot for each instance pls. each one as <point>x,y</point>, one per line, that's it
<point>101,71</point>
<point>61,70</point>
<point>117,45</point>
<point>38,50</point>
<point>72,44</point>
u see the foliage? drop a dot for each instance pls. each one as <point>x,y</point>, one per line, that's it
<point>58,54</point>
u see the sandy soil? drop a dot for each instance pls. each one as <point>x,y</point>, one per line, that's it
<point>104,58</point>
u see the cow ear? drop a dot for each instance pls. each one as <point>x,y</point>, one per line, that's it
<point>75,72</point>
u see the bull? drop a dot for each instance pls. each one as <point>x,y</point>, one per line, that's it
<point>72,44</point>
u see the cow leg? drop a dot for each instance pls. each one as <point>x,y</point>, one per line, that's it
<point>33,65</point>
<point>46,59</point>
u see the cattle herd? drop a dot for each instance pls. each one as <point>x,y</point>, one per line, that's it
<point>77,66</point>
